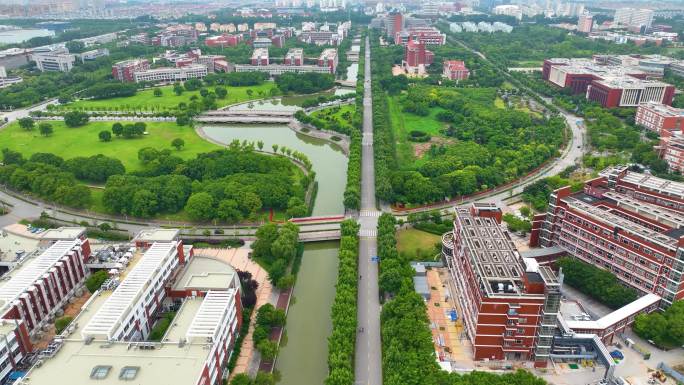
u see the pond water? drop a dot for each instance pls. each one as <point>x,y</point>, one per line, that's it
<point>12,36</point>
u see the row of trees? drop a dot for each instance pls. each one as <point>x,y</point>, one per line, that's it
<point>268,317</point>
<point>596,282</point>
<point>304,83</point>
<point>275,249</point>
<point>341,341</point>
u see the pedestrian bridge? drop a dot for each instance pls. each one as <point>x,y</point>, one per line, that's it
<point>246,116</point>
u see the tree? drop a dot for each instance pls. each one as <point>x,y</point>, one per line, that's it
<point>75,46</point>
<point>27,123</point>
<point>241,379</point>
<point>76,118</point>
<point>12,157</point>
<point>250,92</point>
<point>178,143</point>
<point>260,144</point>
<point>204,92</point>
<point>268,349</point>
<point>192,84</point>
<point>200,206</point>
<point>105,136</point>
<point>96,280</point>
<point>221,92</point>
<point>45,129</point>
<point>178,89</point>
<point>61,324</point>
<point>275,148</point>
<point>158,92</point>
<point>117,129</point>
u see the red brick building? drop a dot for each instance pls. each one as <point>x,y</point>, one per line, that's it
<point>658,117</point>
<point>455,70</point>
<point>628,223</point>
<point>328,58</point>
<point>508,305</point>
<point>629,92</point>
<point>124,70</point>
<point>416,56</point>
<point>224,40</point>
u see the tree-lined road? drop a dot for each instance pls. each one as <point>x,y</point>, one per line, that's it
<point>368,358</point>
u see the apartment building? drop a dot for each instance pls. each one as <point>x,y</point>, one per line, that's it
<point>455,70</point>
<point>585,23</point>
<point>34,290</point>
<point>224,40</point>
<point>260,57</point>
<point>632,17</point>
<point>328,59</point>
<point>659,117</point>
<point>509,304</point>
<point>671,149</point>
<point>157,75</point>
<point>625,222</point>
<point>61,62</point>
<point>107,341</point>
<point>294,56</point>
<point>124,70</point>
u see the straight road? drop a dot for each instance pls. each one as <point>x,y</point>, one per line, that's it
<point>368,364</point>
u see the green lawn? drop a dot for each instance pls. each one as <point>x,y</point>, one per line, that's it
<point>403,123</point>
<point>147,101</point>
<point>499,103</point>
<point>411,241</point>
<point>327,112</point>
<point>83,141</point>
<point>528,63</point>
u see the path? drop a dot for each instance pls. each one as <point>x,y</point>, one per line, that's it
<point>368,358</point>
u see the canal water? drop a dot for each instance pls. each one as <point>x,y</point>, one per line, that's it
<point>11,36</point>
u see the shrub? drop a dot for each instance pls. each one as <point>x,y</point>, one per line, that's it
<point>62,323</point>
<point>96,280</point>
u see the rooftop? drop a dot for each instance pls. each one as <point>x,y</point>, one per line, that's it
<point>616,316</point>
<point>157,235</point>
<point>663,109</point>
<point>63,233</point>
<point>204,273</point>
<point>655,184</point>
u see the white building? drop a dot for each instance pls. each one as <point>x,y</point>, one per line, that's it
<point>509,10</point>
<point>54,61</point>
<point>195,71</point>
<point>455,28</point>
<point>502,27</point>
<point>632,17</point>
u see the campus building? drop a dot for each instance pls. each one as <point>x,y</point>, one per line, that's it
<point>625,222</point>
<point>424,35</point>
<point>631,17</point>
<point>124,70</point>
<point>629,92</point>
<point>157,75</point>
<point>509,304</point>
<point>260,57</point>
<point>659,117</point>
<point>294,57</point>
<point>328,59</point>
<point>224,40</point>
<point>36,289</point>
<point>108,341</point>
<point>416,58</point>
<point>455,70</point>
<point>293,62</point>
<point>585,23</point>
<point>62,62</point>
<point>671,149</point>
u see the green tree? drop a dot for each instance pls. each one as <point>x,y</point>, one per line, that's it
<point>76,118</point>
<point>178,143</point>
<point>27,123</point>
<point>178,89</point>
<point>241,379</point>
<point>105,136</point>
<point>275,148</point>
<point>200,206</point>
<point>158,92</point>
<point>45,129</point>
<point>96,280</point>
<point>268,349</point>
<point>221,92</point>
<point>117,129</point>
<point>260,145</point>
<point>61,323</point>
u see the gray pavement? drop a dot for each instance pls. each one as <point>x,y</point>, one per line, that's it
<point>368,358</point>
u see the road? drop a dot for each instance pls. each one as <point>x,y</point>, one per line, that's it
<point>24,112</point>
<point>368,364</point>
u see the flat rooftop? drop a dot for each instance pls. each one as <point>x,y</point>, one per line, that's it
<point>204,273</point>
<point>655,184</point>
<point>157,235</point>
<point>63,233</point>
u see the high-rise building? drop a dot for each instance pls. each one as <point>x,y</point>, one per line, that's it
<point>585,23</point>
<point>632,17</point>
<point>124,70</point>
<point>660,117</point>
<point>509,304</point>
<point>395,23</point>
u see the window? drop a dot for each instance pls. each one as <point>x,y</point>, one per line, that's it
<point>100,372</point>
<point>128,373</point>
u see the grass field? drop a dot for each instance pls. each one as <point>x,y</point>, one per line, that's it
<point>321,114</point>
<point>528,63</point>
<point>410,241</point>
<point>403,123</point>
<point>145,100</point>
<point>83,141</point>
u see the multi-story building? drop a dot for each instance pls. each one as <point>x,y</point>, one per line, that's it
<point>260,57</point>
<point>261,42</point>
<point>395,23</point>
<point>62,62</point>
<point>671,149</point>
<point>320,38</point>
<point>34,290</point>
<point>224,40</point>
<point>204,293</point>
<point>294,57</point>
<point>455,70</point>
<point>328,59</point>
<point>659,117</point>
<point>509,304</point>
<point>631,17</point>
<point>585,23</point>
<point>677,68</point>
<point>6,81</point>
<point>124,70</point>
<point>416,57</point>
<point>424,35</point>
<point>625,222</point>
<point>629,92</point>
<point>93,54</point>
<point>194,71</point>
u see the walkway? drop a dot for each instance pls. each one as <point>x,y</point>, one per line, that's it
<point>368,358</point>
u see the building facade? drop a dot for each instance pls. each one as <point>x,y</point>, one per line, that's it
<point>585,23</point>
<point>632,17</point>
<point>660,117</point>
<point>455,70</point>
<point>509,305</point>
<point>416,57</point>
<point>124,70</point>
<point>625,222</point>
<point>195,71</point>
<point>54,61</point>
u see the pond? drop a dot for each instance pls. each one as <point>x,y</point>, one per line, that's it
<point>11,36</point>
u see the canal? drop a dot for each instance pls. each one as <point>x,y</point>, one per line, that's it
<point>303,359</point>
